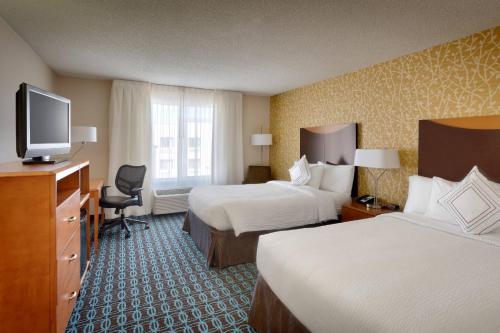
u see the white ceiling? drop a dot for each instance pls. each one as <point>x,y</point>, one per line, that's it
<point>258,47</point>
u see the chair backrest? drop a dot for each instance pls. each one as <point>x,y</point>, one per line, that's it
<point>129,177</point>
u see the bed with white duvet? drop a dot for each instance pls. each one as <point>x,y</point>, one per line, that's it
<point>270,206</point>
<point>393,273</point>
<point>225,221</point>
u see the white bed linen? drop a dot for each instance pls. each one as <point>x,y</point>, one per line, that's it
<point>269,206</point>
<point>393,273</point>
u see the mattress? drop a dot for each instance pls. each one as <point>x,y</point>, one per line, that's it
<point>392,273</point>
<point>269,206</point>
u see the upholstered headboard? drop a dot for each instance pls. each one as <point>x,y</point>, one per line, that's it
<point>334,144</point>
<point>449,148</point>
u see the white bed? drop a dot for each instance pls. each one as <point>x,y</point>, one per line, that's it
<point>393,273</point>
<point>270,206</point>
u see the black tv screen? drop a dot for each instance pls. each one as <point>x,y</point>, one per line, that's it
<point>49,119</point>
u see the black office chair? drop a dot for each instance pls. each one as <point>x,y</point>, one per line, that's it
<point>129,180</point>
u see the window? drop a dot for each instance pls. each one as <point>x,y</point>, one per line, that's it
<point>166,142</point>
<point>194,142</point>
<point>166,164</point>
<point>182,137</point>
<point>193,164</point>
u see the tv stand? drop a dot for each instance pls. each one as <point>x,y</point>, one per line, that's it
<point>41,244</point>
<point>44,160</point>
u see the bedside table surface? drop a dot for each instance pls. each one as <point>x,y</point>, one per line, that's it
<point>355,211</point>
<point>371,211</point>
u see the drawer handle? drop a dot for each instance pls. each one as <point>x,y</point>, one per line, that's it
<point>71,219</point>
<point>72,295</point>
<point>72,257</point>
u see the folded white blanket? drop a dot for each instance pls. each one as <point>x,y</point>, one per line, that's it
<point>257,207</point>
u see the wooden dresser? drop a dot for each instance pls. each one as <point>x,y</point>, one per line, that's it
<point>40,244</point>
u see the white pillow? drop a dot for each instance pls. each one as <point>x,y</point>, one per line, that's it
<point>440,187</point>
<point>316,175</point>
<point>337,178</point>
<point>474,203</point>
<point>299,172</point>
<point>419,194</point>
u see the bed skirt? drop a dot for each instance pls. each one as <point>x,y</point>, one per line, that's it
<point>223,248</point>
<point>269,315</point>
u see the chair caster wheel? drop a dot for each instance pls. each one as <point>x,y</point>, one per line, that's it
<point>127,236</point>
<point>146,227</point>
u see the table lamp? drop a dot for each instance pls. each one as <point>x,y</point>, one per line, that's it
<point>83,135</point>
<point>262,140</point>
<point>377,159</point>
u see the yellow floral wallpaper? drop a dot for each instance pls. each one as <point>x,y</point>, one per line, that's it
<point>456,79</point>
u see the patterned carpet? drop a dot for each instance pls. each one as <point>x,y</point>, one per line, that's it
<point>157,281</point>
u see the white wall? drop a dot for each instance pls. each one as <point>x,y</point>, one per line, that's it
<point>18,64</point>
<point>89,107</point>
<point>255,116</point>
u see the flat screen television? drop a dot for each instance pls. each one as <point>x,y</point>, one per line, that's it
<point>43,125</point>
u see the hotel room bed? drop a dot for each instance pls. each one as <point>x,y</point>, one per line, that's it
<point>396,272</point>
<point>225,222</point>
<point>256,207</point>
<point>393,273</point>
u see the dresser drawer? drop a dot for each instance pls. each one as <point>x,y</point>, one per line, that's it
<point>68,261</point>
<point>67,220</point>
<point>68,281</point>
<point>66,302</point>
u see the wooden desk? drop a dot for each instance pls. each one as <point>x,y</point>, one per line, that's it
<point>95,194</point>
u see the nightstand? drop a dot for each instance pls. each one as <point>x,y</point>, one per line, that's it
<point>355,211</point>
<point>258,174</point>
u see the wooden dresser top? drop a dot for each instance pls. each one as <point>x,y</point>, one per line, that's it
<point>16,169</point>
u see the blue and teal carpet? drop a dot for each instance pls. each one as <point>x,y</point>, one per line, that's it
<point>158,281</point>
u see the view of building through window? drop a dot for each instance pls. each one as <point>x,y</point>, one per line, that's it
<point>182,144</point>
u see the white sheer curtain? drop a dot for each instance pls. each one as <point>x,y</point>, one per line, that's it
<point>227,152</point>
<point>182,136</point>
<point>130,134</point>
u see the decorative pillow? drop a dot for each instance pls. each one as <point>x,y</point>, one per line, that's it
<point>419,194</point>
<point>316,175</point>
<point>474,203</point>
<point>337,178</point>
<point>440,187</point>
<point>299,172</point>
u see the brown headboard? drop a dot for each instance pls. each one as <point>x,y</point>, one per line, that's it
<point>335,144</point>
<point>449,148</point>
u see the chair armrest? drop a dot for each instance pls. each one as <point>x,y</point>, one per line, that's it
<point>104,191</point>
<point>136,190</point>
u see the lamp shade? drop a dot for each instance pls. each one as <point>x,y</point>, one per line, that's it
<point>83,134</point>
<point>262,139</point>
<point>377,158</point>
